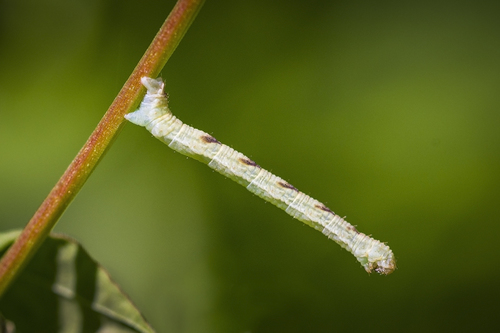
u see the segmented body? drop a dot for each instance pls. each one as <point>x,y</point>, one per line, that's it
<point>155,115</point>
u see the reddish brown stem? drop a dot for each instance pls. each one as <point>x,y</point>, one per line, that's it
<point>89,156</point>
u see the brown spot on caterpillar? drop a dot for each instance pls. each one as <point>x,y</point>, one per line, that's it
<point>286,185</point>
<point>351,227</point>
<point>324,208</point>
<point>209,139</point>
<point>248,161</point>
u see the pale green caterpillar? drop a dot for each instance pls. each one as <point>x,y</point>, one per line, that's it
<point>155,115</point>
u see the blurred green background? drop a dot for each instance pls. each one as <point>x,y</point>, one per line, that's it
<point>388,112</point>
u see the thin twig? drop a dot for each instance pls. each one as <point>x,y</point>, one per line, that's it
<point>89,156</point>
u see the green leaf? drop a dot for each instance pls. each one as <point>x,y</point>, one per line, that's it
<point>64,290</point>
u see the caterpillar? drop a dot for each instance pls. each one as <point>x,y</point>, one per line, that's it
<point>155,115</point>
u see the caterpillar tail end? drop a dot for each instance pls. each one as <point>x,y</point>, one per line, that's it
<point>154,86</point>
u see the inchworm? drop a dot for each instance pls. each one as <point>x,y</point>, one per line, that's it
<point>155,115</point>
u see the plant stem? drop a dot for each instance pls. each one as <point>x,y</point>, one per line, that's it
<point>45,218</point>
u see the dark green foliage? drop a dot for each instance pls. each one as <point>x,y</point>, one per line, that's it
<point>64,290</point>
